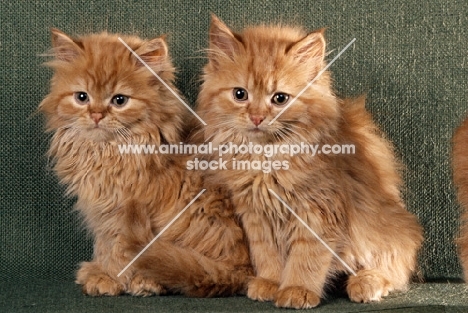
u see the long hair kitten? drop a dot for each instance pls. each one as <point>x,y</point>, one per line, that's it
<point>101,97</point>
<point>352,202</point>
<point>460,177</point>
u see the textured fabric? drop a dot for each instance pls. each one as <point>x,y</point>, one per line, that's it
<point>41,296</point>
<point>410,57</point>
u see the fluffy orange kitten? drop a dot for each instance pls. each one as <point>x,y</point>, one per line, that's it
<point>102,96</point>
<point>352,202</point>
<point>460,177</point>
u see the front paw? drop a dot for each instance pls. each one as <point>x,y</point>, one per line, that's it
<point>97,283</point>
<point>297,298</point>
<point>261,289</point>
<point>144,286</point>
<point>367,286</point>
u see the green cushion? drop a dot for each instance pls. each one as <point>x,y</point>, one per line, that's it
<point>410,58</point>
<point>62,296</point>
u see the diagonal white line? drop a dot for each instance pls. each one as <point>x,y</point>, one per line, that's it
<point>313,233</point>
<point>162,81</point>
<point>312,81</point>
<point>161,232</point>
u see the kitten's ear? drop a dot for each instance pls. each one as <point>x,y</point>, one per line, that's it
<point>154,51</point>
<point>64,47</point>
<point>310,50</point>
<point>222,39</point>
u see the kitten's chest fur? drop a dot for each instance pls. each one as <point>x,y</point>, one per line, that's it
<point>96,170</point>
<point>308,184</point>
<point>107,182</point>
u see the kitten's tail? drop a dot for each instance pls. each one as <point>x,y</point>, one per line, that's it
<point>185,271</point>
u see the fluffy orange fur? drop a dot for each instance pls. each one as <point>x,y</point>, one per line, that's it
<point>352,202</point>
<point>102,96</point>
<point>460,177</point>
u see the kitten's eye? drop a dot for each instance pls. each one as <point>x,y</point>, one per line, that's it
<point>119,100</point>
<point>81,97</point>
<point>280,98</point>
<point>240,94</point>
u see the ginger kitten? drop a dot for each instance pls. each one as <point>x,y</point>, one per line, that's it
<point>101,97</point>
<point>460,177</point>
<point>352,202</point>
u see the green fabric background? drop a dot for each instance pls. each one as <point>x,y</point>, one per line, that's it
<point>410,58</point>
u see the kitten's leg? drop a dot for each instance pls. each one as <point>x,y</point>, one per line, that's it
<point>183,270</point>
<point>306,270</point>
<point>114,248</point>
<point>386,253</point>
<point>214,233</point>
<point>205,252</point>
<point>265,257</point>
<point>99,277</point>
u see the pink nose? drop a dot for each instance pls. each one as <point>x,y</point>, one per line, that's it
<point>96,117</point>
<point>257,119</point>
